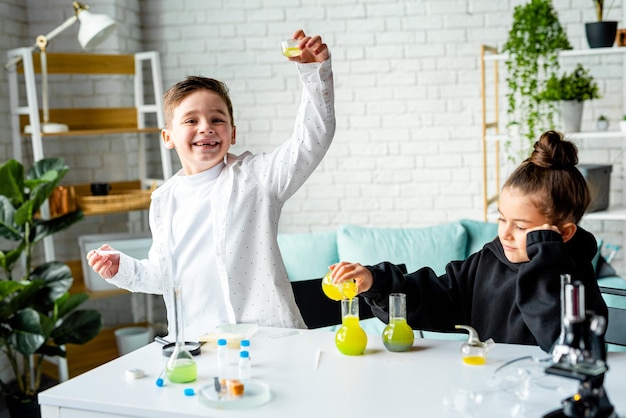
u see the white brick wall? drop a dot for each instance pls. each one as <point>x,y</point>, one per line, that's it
<point>407,148</point>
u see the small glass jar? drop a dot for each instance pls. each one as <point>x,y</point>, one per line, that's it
<point>344,290</point>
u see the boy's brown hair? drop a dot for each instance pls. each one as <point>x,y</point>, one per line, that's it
<point>175,94</point>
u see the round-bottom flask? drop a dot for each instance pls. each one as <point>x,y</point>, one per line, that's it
<point>398,335</point>
<point>181,367</point>
<point>350,339</point>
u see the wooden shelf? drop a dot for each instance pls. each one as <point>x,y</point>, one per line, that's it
<point>137,201</point>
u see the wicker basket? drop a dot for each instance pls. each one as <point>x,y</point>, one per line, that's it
<point>116,201</point>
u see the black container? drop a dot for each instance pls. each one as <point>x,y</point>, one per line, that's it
<point>601,34</point>
<point>598,178</point>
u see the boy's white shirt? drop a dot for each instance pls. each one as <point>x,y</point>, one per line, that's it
<point>246,202</point>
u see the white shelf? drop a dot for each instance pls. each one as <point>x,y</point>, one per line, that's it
<point>611,214</point>
<point>569,53</point>
<point>595,135</point>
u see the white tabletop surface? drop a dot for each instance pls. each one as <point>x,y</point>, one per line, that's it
<point>429,381</point>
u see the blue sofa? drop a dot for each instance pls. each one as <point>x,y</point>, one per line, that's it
<point>308,255</point>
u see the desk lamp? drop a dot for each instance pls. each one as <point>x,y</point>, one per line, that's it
<point>94,28</point>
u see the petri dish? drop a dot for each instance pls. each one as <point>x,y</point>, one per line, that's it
<point>255,393</point>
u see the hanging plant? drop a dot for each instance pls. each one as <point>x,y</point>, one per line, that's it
<point>532,49</point>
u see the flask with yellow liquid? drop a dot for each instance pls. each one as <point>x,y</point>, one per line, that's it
<point>474,351</point>
<point>398,335</point>
<point>290,48</point>
<point>350,339</point>
<point>344,290</point>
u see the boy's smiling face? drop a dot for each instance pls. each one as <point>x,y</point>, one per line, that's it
<point>201,131</point>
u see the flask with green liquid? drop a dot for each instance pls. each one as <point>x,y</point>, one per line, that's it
<point>398,335</point>
<point>181,367</point>
<point>350,339</point>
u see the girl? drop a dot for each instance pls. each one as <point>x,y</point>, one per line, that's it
<point>510,290</point>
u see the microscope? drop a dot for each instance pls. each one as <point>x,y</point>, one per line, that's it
<point>580,354</point>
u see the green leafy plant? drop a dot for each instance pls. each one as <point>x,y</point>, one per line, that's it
<point>602,117</point>
<point>38,316</point>
<point>599,5</point>
<point>532,47</point>
<point>578,85</point>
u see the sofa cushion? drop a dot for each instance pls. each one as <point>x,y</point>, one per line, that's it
<point>308,255</point>
<point>478,234</point>
<point>433,246</point>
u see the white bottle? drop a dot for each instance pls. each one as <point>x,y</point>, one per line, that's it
<point>244,345</point>
<point>245,366</point>
<point>222,357</point>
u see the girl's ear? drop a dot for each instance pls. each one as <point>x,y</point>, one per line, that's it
<point>233,139</point>
<point>167,140</point>
<point>568,230</point>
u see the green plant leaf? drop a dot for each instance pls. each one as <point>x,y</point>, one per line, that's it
<point>12,184</point>
<point>27,336</point>
<point>577,85</point>
<point>533,45</point>
<point>78,327</point>
<point>45,227</point>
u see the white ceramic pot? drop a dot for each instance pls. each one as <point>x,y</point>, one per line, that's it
<point>571,115</point>
<point>602,125</point>
<point>622,125</point>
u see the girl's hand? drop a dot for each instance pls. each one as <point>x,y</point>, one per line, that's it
<point>105,261</point>
<point>313,49</point>
<point>546,227</point>
<point>344,270</point>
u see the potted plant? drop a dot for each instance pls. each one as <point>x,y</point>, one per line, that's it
<point>601,34</point>
<point>532,47</point>
<point>622,124</point>
<point>602,124</point>
<point>571,90</point>
<point>38,316</point>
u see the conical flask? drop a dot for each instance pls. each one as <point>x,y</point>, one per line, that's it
<point>398,335</point>
<point>181,367</point>
<point>350,339</point>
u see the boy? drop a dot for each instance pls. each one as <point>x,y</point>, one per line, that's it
<point>214,223</point>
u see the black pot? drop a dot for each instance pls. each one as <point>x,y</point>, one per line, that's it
<point>601,34</point>
<point>22,408</point>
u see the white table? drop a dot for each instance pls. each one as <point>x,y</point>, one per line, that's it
<point>372,385</point>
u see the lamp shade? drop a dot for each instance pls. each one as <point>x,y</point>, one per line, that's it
<point>94,28</point>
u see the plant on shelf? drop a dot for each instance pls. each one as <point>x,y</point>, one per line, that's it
<point>599,5</point>
<point>532,47</point>
<point>602,32</point>
<point>578,85</point>
<point>622,124</point>
<point>602,124</point>
<point>571,90</point>
<point>38,315</point>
